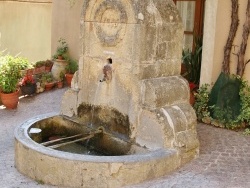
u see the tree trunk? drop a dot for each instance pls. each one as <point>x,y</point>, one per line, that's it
<point>232,33</point>
<point>241,55</point>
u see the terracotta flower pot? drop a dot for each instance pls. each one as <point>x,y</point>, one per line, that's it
<point>60,57</point>
<point>59,84</point>
<point>69,78</point>
<point>49,86</point>
<point>10,100</point>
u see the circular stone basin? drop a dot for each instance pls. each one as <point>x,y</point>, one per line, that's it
<point>68,169</point>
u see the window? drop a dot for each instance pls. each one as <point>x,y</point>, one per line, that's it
<point>192,13</point>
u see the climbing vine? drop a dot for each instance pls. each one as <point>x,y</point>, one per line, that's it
<point>241,65</point>
<point>231,36</point>
<point>228,103</point>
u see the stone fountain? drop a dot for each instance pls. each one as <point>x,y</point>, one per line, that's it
<point>134,48</point>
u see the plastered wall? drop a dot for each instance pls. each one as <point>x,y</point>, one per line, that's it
<point>33,27</point>
<point>216,29</point>
<point>66,24</point>
<point>25,28</point>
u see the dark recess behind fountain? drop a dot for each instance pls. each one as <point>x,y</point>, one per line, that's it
<point>112,120</point>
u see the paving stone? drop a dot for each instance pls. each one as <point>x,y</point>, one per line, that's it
<point>224,160</point>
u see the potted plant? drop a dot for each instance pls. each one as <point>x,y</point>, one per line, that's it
<point>60,81</point>
<point>61,50</point>
<point>191,62</point>
<point>48,65</point>
<point>193,88</point>
<point>39,67</point>
<point>71,68</point>
<point>60,59</point>
<point>25,66</point>
<point>10,73</point>
<point>28,85</point>
<point>48,81</point>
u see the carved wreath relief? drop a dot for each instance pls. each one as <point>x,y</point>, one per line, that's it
<point>110,23</point>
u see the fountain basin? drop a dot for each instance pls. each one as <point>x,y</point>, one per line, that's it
<point>77,170</point>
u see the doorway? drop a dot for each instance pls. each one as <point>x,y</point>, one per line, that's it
<point>192,14</point>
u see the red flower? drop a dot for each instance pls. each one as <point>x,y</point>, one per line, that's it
<point>27,80</point>
<point>192,86</point>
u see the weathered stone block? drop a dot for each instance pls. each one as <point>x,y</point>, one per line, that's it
<point>150,131</point>
<point>69,103</point>
<point>165,91</point>
<point>187,140</point>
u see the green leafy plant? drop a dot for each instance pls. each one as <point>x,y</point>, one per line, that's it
<point>201,104</point>
<point>62,49</point>
<point>223,117</point>
<point>245,103</point>
<point>72,66</point>
<point>10,72</point>
<point>192,61</point>
<point>47,78</point>
<point>62,75</point>
<point>48,63</point>
<point>246,131</point>
<point>39,64</point>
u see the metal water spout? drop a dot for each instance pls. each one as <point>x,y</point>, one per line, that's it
<point>107,71</point>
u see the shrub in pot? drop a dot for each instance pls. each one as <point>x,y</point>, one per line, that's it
<point>10,73</point>
<point>60,58</point>
<point>71,68</point>
<point>48,65</point>
<point>48,81</point>
<point>61,50</point>
<point>39,67</point>
<point>60,81</point>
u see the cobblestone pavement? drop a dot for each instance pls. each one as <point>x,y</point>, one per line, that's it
<point>224,155</point>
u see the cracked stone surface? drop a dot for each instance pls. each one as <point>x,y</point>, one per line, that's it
<point>224,160</point>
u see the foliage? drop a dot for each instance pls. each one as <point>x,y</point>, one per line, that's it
<point>201,104</point>
<point>39,64</point>
<point>62,75</point>
<point>247,131</point>
<point>245,103</point>
<point>47,77</point>
<point>192,61</point>
<point>10,72</point>
<point>48,63</point>
<point>223,117</point>
<point>62,49</point>
<point>23,63</point>
<point>72,66</point>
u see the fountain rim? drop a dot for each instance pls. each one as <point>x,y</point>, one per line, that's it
<point>21,135</point>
